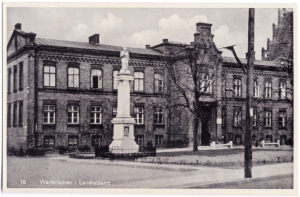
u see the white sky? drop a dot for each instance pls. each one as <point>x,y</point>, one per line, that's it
<point>136,27</point>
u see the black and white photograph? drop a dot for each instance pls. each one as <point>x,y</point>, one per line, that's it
<point>189,98</point>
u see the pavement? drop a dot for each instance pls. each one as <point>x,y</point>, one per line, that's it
<point>190,176</point>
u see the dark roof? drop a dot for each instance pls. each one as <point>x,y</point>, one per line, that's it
<point>244,61</point>
<point>101,47</point>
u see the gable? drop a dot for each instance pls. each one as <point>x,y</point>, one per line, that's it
<point>16,42</point>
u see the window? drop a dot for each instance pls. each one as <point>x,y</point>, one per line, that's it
<point>96,141</point>
<point>158,82</point>
<point>49,114</point>
<point>254,117</point>
<point>49,76</point>
<point>158,115</point>
<point>237,87</point>
<point>237,117</point>
<point>115,82</point>
<point>205,83</point>
<point>158,140</point>
<point>138,81</point>
<point>15,115</point>
<point>73,77</point>
<point>268,89</point>
<point>73,114</point>
<point>223,87</point>
<point>96,78</point>
<point>96,115</point>
<point>49,142</point>
<point>20,113</point>
<point>139,139</point>
<point>139,115</point>
<point>268,118</point>
<point>282,119</point>
<point>9,81</point>
<point>114,111</point>
<point>73,141</point>
<point>238,139</point>
<point>15,78</point>
<point>269,138</point>
<point>21,76</point>
<point>8,115</point>
<point>223,116</point>
<point>256,89</point>
<point>282,90</point>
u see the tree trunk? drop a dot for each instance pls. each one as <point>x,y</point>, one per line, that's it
<point>195,134</point>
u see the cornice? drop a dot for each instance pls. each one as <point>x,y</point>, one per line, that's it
<point>257,73</point>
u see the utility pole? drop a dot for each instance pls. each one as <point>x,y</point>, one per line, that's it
<point>249,110</point>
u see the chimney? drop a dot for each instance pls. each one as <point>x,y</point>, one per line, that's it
<point>18,26</point>
<point>94,39</point>
<point>165,40</point>
<point>30,38</point>
<point>147,46</point>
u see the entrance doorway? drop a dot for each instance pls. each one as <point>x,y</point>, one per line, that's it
<point>205,135</point>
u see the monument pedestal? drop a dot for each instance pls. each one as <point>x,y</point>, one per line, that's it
<point>123,138</point>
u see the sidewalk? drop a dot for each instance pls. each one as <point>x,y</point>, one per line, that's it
<point>189,176</point>
<point>219,148</point>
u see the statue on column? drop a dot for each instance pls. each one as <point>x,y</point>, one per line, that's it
<point>125,58</point>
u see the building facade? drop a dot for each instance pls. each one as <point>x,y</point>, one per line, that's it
<point>63,93</point>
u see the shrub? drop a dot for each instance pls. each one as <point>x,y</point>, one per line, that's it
<point>62,149</point>
<point>84,149</point>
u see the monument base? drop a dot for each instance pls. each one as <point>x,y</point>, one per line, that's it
<point>123,136</point>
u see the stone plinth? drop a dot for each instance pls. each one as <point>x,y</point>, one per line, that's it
<point>123,138</point>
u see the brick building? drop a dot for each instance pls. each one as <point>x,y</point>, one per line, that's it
<point>63,93</point>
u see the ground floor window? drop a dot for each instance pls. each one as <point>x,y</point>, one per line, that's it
<point>48,142</point>
<point>158,140</point>
<point>238,139</point>
<point>139,139</point>
<point>73,141</point>
<point>96,140</point>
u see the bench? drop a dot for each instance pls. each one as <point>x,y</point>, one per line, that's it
<point>263,143</point>
<point>214,145</point>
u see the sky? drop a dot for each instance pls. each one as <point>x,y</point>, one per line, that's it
<point>136,27</point>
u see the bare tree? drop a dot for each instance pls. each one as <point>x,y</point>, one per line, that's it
<point>194,71</point>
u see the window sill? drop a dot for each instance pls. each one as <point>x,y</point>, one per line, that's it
<point>70,88</point>
<point>96,89</point>
<point>50,87</point>
<point>73,125</point>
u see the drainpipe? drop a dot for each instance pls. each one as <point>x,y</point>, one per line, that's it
<point>36,97</point>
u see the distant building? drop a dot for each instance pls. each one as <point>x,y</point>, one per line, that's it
<point>63,93</point>
<point>281,45</point>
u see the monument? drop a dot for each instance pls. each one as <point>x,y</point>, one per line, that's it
<point>123,137</point>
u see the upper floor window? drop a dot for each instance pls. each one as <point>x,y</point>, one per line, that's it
<point>49,76</point>
<point>139,115</point>
<point>268,118</point>
<point>21,76</point>
<point>96,115</point>
<point>205,83</point>
<point>73,77</point>
<point>237,117</point>
<point>15,78</point>
<point>255,89</point>
<point>268,89</point>
<point>49,114</point>
<point>237,87</point>
<point>223,87</point>
<point>158,115</point>
<point>9,80</point>
<point>115,82</point>
<point>73,114</point>
<point>282,119</point>
<point>96,78</point>
<point>158,82</point>
<point>223,114</point>
<point>138,81</point>
<point>282,90</point>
